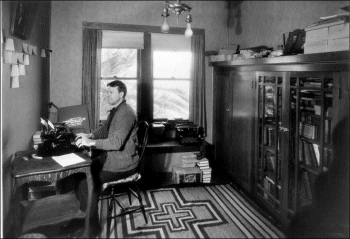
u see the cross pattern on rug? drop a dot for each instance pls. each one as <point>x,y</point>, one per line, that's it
<point>173,216</point>
<point>188,217</point>
<point>195,212</point>
<point>195,222</point>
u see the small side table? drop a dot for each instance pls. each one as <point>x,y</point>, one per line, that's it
<point>26,168</point>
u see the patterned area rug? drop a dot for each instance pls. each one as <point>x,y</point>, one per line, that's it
<point>193,212</point>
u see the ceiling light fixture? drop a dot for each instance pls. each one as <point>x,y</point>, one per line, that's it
<point>177,8</point>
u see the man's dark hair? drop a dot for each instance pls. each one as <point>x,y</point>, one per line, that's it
<point>120,84</point>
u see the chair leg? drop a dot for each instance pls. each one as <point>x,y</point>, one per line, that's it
<point>141,204</point>
<point>115,222</point>
<point>121,206</point>
<point>109,215</point>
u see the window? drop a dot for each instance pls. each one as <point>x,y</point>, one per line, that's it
<point>171,57</point>
<point>171,78</point>
<point>155,67</point>
<point>121,64</point>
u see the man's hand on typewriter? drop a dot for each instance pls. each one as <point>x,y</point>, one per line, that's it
<point>79,135</point>
<point>84,140</point>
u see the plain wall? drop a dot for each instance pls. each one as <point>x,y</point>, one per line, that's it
<point>21,108</point>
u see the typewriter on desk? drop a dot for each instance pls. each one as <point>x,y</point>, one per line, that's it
<point>56,139</point>
<point>187,133</point>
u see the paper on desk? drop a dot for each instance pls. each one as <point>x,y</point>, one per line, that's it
<point>68,159</point>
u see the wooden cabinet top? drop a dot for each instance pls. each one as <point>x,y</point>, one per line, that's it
<point>326,57</point>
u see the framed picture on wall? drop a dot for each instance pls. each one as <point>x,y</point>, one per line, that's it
<point>19,19</point>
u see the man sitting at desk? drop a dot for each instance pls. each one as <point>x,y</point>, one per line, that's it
<point>118,139</point>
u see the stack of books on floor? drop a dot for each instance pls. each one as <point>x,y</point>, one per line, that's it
<point>37,139</point>
<point>203,165</point>
<point>187,171</point>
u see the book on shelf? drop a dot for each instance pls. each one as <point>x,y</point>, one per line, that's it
<point>317,153</point>
<point>311,91</point>
<point>311,154</point>
<point>308,130</point>
<point>312,79</point>
<point>329,112</point>
<point>269,136</point>
<point>314,160</point>
<point>271,161</point>
<point>327,129</point>
<point>329,84</point>
<point>266,186</point>
<point>301,151</point>
<point>317,109</point>
<point>313,84</point>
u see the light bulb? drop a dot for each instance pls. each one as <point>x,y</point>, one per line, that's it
<point>165,27</point>
<point>188,32</point>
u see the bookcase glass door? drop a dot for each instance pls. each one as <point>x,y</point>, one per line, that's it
<point>311,104</point>
<point>268,183</point>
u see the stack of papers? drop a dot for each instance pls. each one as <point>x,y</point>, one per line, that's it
<point>68,159</point>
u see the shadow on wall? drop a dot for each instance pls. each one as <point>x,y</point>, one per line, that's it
<point>234,16</point>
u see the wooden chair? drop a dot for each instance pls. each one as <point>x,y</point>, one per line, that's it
<point>112,190</point>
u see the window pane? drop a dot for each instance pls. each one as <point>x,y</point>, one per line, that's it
<point>131,96</point>
<point>171,64</point>
<point>171,99</point>
<point>119,62</point>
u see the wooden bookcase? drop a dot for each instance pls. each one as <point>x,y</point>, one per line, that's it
<point>273,121</point>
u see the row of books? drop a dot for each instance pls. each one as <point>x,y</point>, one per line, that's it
<point>308,130</point>
<point>269,136</point>
<point>269,185</point>
<point>36,139</point>
<point>316,84</point>
<point>309,153</point>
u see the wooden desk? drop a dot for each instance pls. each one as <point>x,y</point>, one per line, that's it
<point>25,170</point>
<point>170,146</point>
